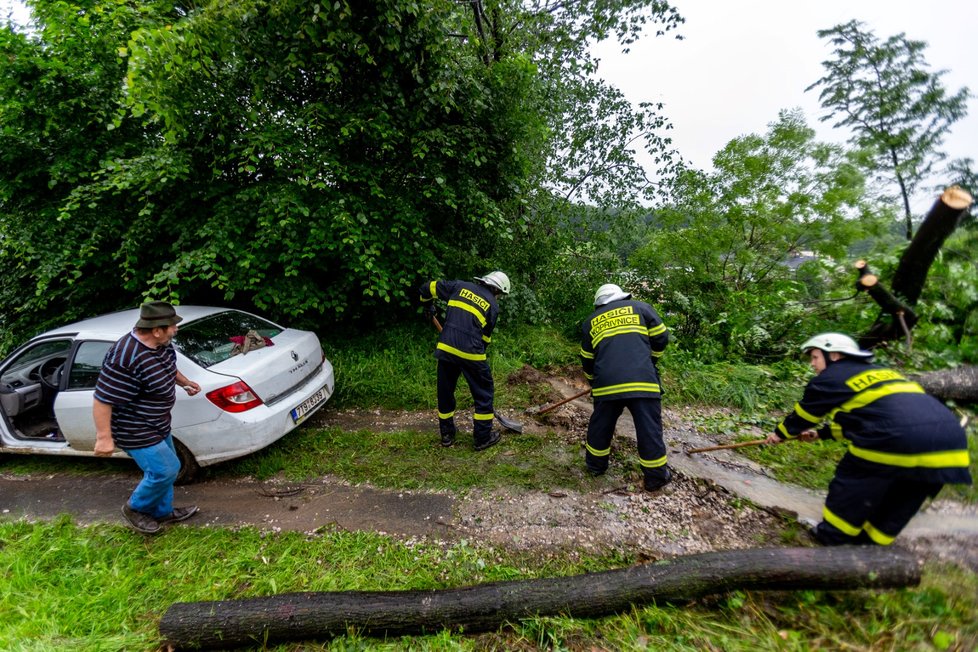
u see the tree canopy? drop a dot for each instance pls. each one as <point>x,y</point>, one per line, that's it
<point>305,159</point>
<point>896,108</point>
<point>723,259</point>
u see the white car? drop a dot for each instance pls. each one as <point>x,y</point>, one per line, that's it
<point>247,400</point>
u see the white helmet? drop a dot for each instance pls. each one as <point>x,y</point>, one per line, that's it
<point>609,292</point>
<point>496,280</point>
<point>835,342</point>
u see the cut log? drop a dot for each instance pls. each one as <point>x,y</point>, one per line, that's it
<point>959,384</point>
<point>897,317</point>
<point>308,616</point>
<point>941,220</point>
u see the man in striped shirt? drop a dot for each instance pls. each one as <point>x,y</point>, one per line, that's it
<point>134,395</point>
<point>904,445</point>
<point>621,342</point>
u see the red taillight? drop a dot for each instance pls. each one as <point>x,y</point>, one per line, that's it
<point>234,398</point>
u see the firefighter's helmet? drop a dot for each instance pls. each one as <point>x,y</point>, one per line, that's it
<point>835,342</point>
<point>609,292</point>
<point>496,280</point>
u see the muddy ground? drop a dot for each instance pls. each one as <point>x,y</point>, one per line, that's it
<point>717,500</point>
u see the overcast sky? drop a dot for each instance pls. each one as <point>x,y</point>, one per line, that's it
<point>744,60</point>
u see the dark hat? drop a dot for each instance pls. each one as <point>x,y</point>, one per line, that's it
<point>157,314</point>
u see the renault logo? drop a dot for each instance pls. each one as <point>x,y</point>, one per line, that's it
<point>295,356</point>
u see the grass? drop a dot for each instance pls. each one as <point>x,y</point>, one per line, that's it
<point>395,369</point>
<point>415,460</point>
<point>67,587</point>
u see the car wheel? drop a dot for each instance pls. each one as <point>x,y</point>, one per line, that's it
<point>188,464</point>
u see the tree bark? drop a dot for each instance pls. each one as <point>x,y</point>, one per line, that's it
<point>305,616</point>
<point>943,218</point>
<point>897,318</point>
<point>959,384</point>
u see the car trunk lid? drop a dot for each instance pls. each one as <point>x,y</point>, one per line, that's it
<point>273,372</point>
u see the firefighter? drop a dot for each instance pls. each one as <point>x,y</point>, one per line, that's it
<point>621,342</point>
<point>904,445</point>
<point>469,321</point>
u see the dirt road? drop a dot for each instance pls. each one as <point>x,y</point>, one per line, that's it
<point>702,510</point>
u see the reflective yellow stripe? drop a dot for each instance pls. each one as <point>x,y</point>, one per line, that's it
<point>460,354</point>
<point>657,354</point>
<point>864,398</point>
<point>482,417</point>
<point>594,451</point>
<point>656,330</point>
<point>469,308</point>
<point>934,460</point>
<point>784,431</point>
<point>432,289</point>
<point>652,464</point>
<point>843,525</point>
<point>588,376</point>
<point>586,354</point>
<point>625,387</point>
<point>446,415</point>
<point>804,414</point>
<point>620,330</point>
<point>881,538</point>
<point>836,431</point>
<point>486,339</point>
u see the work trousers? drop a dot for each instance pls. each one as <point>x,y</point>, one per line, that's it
<point>479,378</point>
<point>647,415</point>
<point>160,465</point>
<point>870,504</point>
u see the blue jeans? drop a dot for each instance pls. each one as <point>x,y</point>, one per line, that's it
<point>160,465</point>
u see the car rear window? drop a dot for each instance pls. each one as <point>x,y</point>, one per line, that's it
<point>207,341</point>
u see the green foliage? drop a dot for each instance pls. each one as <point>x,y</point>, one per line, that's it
<point>294,158</point>
<point>690,379</point>
<point>719,261</point>
<point>59,90</point>
<point>896,108</point>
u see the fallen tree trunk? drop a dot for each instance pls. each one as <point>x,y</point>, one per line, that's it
<point>304,616</point>
<point>894,320</point>
<point>940,222</point>
<point>959,384</point>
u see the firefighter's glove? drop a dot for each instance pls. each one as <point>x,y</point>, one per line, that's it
<point>429,311</point>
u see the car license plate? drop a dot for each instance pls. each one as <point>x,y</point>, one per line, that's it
<point>304,409</point>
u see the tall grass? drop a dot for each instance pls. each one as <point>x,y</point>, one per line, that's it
<point>395,369</point>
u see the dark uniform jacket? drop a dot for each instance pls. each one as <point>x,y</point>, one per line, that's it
<point>620,343</point>
<point>469,320</point>
<point>888,420</point>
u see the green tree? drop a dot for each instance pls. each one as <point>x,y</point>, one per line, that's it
<point>724,256</point>
<point>588,203</point>
<point>894,106</point>
<point>306,159</point>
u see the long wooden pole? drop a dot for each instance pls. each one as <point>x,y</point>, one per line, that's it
<point>556,405</point>
<point>754,442</point>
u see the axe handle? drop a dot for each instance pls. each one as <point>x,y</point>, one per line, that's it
<point>566,400</point>
<point>753,442</point>
<point>434,320</point>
